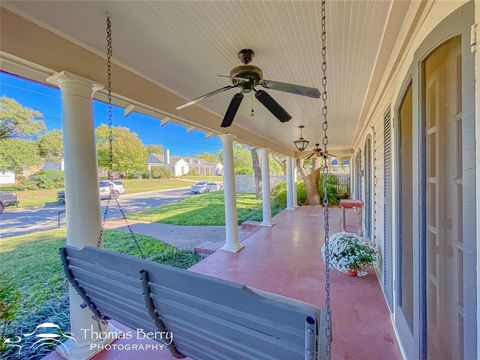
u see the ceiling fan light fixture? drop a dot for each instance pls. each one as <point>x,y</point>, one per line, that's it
<point>301,144</point>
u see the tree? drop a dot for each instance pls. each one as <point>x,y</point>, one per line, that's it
<point>50,145</point>
<point>210,157</point>
<point>311,179</point>
<point>129,153</point>
<point>15,154</point>
<point>17,121</point>
<point>242,159</point>
<point>154,149</point>
<point>242,156</point>
<point>278,164</point>
<point>257,173</point>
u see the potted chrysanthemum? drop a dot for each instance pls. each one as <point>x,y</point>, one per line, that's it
<point>350,253</point>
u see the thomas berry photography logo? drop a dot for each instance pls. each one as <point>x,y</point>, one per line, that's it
<point>45,335</point>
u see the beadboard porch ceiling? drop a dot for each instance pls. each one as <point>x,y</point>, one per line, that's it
<point>184,45</point>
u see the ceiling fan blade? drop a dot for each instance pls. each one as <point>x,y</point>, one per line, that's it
<point>309,156</point>
<point>279,112</point>
<point>232,110</point>
<point>291,88</point>
<point>200,98</point>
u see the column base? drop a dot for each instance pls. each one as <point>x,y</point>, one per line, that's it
<point>290,208</point>
<point>232,247</point>
<point>71,350</point>
<point>267,223</point>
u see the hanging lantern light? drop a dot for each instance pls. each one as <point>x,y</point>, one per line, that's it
<point>301,143</point>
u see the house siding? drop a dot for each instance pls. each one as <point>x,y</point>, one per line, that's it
<point>386,97</point>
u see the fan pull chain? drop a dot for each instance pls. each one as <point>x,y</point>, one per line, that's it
<point>252,113</point>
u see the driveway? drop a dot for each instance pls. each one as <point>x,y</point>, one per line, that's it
<point>26,221</point>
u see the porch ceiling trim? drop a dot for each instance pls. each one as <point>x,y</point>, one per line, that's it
<point>33,51</point>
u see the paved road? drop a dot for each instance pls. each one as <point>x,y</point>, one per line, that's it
<point>25,221</point>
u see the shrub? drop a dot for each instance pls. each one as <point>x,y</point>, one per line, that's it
<point>301,193</point>
<point>159,172</point>
<point>9,301</point>
<point>27,185</point>
<point>244,170</point>
<point>279,201</point>
<point>279,192</point>
<point>279,187</point>
<point>332,191</point>
<point>50,179</point>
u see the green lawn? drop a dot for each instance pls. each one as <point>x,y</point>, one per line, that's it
<point>29,198</point>
<point>205,209</point>
<point>141,185</point>
<point>33,263</point>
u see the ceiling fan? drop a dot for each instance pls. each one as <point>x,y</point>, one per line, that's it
<point>318,152</point>
<point>247,77</point>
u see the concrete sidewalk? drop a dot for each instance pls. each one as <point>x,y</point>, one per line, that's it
<point>181,236</point>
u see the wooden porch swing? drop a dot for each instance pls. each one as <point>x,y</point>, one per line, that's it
<point>208,318</point>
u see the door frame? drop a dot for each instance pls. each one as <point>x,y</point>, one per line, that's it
<point>407,335</point>
<point>415,345</point>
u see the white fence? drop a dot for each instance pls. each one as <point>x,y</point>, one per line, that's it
<point>246,183</point>
<point>342,173</point>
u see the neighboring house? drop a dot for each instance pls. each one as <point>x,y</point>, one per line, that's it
<point>203,167</point>
<point>54,165</point>
<point>155,160</point>
<point>7,177</point>
<point>183,165</point>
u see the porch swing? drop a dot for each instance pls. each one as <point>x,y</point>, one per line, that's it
<point>208,318</point>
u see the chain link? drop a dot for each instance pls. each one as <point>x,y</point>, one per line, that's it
<point>109,89</point>
<point>110,149</point>
<point>325,171</point>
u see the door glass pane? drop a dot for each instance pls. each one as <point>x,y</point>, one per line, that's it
<point>444,250</point>
<point>406,198</point>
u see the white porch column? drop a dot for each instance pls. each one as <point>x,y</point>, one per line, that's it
<point>289,183</point>
<point>232,242</point>
<point>294,175</point>
<point>266,200</point>
<point>81,194</point>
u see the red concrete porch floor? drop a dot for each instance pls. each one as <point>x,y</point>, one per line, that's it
<point>286,260</point>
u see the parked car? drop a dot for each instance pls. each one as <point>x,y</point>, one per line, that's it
<point>213,186</point>
<point>118,185</point>
<point>200,188</point>
<point>8,199</point>
<point>104,188</point>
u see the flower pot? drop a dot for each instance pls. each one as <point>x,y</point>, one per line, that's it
<point>351,273</point>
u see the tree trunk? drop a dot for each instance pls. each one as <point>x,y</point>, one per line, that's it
<point>257,173</point>
<point>311,181</point>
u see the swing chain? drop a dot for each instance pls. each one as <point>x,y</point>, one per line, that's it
<point>110,123</point>
<point>109,90</point>
<point>325,170</point>
<point>110,148</point>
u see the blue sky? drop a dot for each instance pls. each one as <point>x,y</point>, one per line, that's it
<point>47,100</point>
